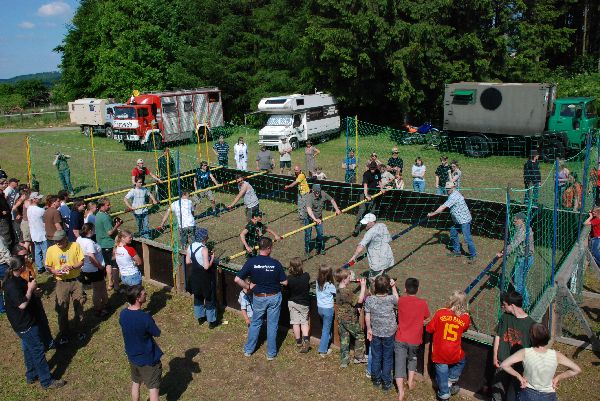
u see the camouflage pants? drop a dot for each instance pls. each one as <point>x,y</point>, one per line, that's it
<point>346,330</point>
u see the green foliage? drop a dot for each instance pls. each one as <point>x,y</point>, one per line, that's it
<point>11,102</point>
<point>385,60</point>
<point>23,93</point>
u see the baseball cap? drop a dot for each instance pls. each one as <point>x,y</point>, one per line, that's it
<point>368,218</point>
<point>373,164</point>
<point>449,185</point>
<point>35,195</point>
<point>58,235</point>
<point>316,188</point>
<point>257,213</point>
<point>140,160</point>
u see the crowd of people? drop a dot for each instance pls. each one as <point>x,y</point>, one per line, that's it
<point>80,244</point>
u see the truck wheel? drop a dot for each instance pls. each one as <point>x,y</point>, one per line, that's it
<point>127,145</point>
<point>87,130</point>
<point>154,140</point>
<point>109,133</point>
<point>294,143</point>
<point>553,150</point>
<point>477,146</point>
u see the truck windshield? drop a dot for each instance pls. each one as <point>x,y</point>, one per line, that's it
<point>124,112</point>
<point>280,119</point>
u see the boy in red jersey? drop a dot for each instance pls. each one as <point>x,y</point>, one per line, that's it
<point>447,327</point>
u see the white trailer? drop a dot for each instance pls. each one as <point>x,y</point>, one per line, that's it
<point>298,118</point>
<point>96,114</point>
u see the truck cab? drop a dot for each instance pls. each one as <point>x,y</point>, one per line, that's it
<point>137,121</point>
<point>573,117</point>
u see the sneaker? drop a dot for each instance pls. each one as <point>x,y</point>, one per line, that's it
<point>201,321</point>
<point>247,354</point>
<point>299,344</point>
<point>323,252</point>
<point>305,347</point>
<point>454,254</point>
<point>270,358</point>
<point>56,384</point>
<point>472,260</point>
<point>81,337</point>
<point>454,389</point>
<point>363,359</point>
<point>387,387</point>
<point>376,384</point>
<point>31,381</point>
<point>343,365</point>
<point>59,342</point>
<point>368,374</point>
<point>324,354</point>
<point>212,325</point>
<point>307,254</point>
<point>356,232</point>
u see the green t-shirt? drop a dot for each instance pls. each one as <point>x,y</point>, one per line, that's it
<point>513,333</point>
<point>346,301</point>
<point>103,226</point>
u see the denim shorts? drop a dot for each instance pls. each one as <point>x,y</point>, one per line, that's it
<point>133,279</point>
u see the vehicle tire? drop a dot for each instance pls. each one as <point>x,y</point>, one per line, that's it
<point>127,145</point>
<point>552,150</point>
<point>87,130</point>
<point>154,140</point>
<point>109,133</point>
<point>294,143</point>
<point>477,146</point>
<point>434,138</point>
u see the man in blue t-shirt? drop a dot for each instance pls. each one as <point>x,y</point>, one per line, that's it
<point>221,150</point>
<point>267,278</point>
<point>139,330</point>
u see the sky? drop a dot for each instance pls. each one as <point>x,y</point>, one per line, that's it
<point>30,29</point>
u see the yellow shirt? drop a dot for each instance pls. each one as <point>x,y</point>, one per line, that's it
<point>56,257</point>
<point>303,187</point>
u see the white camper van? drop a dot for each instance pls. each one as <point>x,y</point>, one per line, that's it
<point>298,118</point>
<point>96,114</point>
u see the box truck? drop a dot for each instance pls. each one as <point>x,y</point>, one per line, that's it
<point>154,119</point>
<point>481,119</point>
<point>298,118</point>
<point>96,114</point>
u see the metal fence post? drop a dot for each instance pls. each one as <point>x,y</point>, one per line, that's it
<point>554,221</point>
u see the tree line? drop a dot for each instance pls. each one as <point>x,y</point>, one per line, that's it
<point>383,59</point>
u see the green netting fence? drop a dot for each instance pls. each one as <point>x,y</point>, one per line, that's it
<point>492,186</point>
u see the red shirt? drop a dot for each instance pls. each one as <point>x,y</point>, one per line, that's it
<point>595,222</point>
<point>412,312</point>
<point>140,172</point>
<point>447,329</point>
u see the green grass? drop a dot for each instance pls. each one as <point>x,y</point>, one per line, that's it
<point>35,120</point>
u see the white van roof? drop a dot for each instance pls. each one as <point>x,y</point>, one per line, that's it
<point>295,102</point>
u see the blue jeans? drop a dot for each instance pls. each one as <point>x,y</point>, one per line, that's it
<point>320,244</point>
<point>206,307</point>
<point>3,268</point>
<point>529,394</point>
<point>327,317</point>
<point>595,249</point>
<point>65,180</point>
<point>40,249</point>
<point>271,306</point>
<point>522,266</point>
<point>445,373</point>
<point>419,186</point>
<point>466,231</point>
<point>441,191</point>
<point>35,356</point>
<point>382,354</point>
<point>142,223</point>
<point>132,280</point>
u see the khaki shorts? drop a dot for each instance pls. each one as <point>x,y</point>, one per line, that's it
<point>206,194</point>
<point>298,313</point>
<point>149,375</point>
<point>25,231</point>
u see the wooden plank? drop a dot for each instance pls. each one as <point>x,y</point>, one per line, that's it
<point>576,343</point>
<point>567,296</point>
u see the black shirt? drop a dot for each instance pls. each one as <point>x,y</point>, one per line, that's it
<point>396,162</point>
<point>372,179</point>
<point>15,289</point>
<point>531,173</point>
<point>75,223</point>
<point>443,172</point>
<point>5,211</point>
<point>299,287</point>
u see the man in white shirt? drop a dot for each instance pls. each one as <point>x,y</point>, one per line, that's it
<point>377,244</point>
<point>37,228</point>
<point>183,217</point>
<point>138,196</point>
<point>285,155</point>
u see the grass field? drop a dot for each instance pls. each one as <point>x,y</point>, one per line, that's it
<point>209,364</point>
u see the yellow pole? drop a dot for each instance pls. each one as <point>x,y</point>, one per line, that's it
<point>296,231</point>
<point>175,258</point>
<point>198,144</point>
<point>206,142</point>
<point>28,156</point>
<point>356,138</point>
<point>94,158</point>
<point>191,193</point>
<point>155,154</point>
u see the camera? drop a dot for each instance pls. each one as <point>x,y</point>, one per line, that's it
<point>117,220</point>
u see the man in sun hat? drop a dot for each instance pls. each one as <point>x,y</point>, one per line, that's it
<point>377,244</point>
<point>461,217</point>
<point>395,163</point>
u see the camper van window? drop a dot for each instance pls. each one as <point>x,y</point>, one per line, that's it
<point>169,108</point>
<point>143,112</point>
<point>299,102</point>
<point>314,114</point>
<point>187,105</point>
<point>276,101</point>
<point>280,119</point>
<point>124,112</point>
<point>213,97</point>
<point>590,111</point>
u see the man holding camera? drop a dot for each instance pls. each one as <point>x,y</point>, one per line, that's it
<point>64,171</point>
<point>106,231</point>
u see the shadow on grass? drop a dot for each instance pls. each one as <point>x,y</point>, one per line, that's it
<point>158,300</point>
<point>177,380</point>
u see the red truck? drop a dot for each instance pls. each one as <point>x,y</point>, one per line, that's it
<point>154,119</point>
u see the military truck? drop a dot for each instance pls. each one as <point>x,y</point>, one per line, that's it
<point>93,114</point>
<point>481,119</point>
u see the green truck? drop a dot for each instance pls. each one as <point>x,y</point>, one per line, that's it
<point>481,119</point>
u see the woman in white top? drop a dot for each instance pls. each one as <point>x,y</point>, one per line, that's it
<point>90,213</point>
<point>455,174</point>
<point>92,271</point>
<point>418,174</point>
<point>127,259</point>
<point>240,152</point>
<point>538,382</point>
